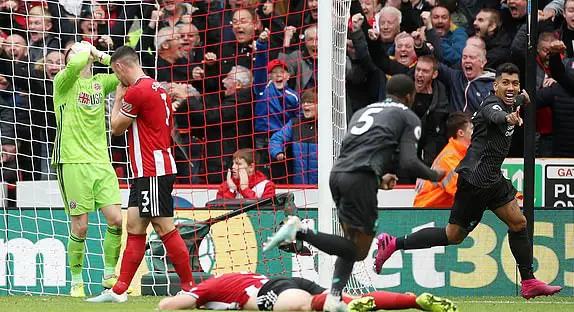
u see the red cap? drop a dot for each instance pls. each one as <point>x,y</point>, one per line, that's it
<point>274,63</point>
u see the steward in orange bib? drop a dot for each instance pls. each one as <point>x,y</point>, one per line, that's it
<point>441,194</point>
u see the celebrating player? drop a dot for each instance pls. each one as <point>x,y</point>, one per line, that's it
<point>146,107</point>
<point>367,157</point>
<point>86,177</point>
<point>481,185</point>
<point>247,291</point>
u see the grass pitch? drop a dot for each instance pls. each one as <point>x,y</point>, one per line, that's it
<point>465,304</point>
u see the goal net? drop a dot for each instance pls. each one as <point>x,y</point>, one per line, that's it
<point>233,88</point>
<point>335,101</point>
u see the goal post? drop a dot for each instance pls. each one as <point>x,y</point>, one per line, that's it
<point>334,17</point>
<point>326,137</point>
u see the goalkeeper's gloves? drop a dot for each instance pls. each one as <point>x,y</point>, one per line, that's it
<point>97,54</point>
<point>79,47</point>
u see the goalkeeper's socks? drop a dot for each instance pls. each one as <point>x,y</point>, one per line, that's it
<point>330,244</point>
<point>76,253</point>
<point>179,255</point>
<point>385,300</point>
<point>133,255</point>
<point>112,247</point>
<point>424,238</point>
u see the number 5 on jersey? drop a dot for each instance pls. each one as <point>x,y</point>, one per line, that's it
<point>367,121</point>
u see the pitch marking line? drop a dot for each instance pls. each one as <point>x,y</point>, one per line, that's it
<point>516,302</point>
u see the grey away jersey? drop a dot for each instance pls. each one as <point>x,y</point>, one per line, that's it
<point>491,139</point>
<point>381,136</point>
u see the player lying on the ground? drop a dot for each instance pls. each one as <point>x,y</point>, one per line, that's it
<point>249,291</point>
<point>482,186</point>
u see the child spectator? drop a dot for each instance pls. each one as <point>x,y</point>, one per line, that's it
<point>244,180</point>
<point>275,104</point>
<point>302,132</point>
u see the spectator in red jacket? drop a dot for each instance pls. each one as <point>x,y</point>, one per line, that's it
<point>244,180</point>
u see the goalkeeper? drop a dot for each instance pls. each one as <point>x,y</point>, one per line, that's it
<point>86,177</point>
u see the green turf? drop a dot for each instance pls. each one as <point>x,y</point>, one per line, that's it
<point>465,304</point>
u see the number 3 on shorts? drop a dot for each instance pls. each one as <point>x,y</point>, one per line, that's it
<point>145,201</point>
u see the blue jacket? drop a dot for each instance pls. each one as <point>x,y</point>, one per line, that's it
<point>302,134</point>
<point>273,107</point>
<point>465,96</point>
<point>452,44</point>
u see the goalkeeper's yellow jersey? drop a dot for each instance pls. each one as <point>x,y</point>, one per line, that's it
<point>79,105</point>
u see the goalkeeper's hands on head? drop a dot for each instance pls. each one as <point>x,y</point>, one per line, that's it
<point>80,47</point>
<point>96,54</point>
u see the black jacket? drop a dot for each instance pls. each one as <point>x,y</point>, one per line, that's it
<point>497,48</point>
<point>433,124</point>
<point>42,47</point>
<point>228,54</point>
<point>373,88</point>
<point>7,126</point>
<point>567,36</point>
<point>560,98</point>
<point>228,127</point>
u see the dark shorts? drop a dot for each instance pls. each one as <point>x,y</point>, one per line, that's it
<point>152,195</point>
<point>268,294</point>
<point>471,201</point>
<point>355,195</point>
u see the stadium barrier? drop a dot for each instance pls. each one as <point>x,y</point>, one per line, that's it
<point>36,262</point>
<point>33,241</point>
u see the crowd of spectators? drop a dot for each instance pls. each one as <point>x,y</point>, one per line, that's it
<point>452,48</point>
<point>226,64</point>
<point>243,73</point>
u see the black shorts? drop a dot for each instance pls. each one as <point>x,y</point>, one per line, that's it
<point>471,201</point>
<point>268,294</point>
<point>355,195</point>
<point>152,195</point>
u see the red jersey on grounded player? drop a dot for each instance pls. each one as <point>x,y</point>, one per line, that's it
<point>149,136</point>
<point>229,291</point>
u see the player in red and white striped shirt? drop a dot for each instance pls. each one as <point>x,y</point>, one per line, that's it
<point>149,136</point>
<point>230,291</point>
<point>145,108</point>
